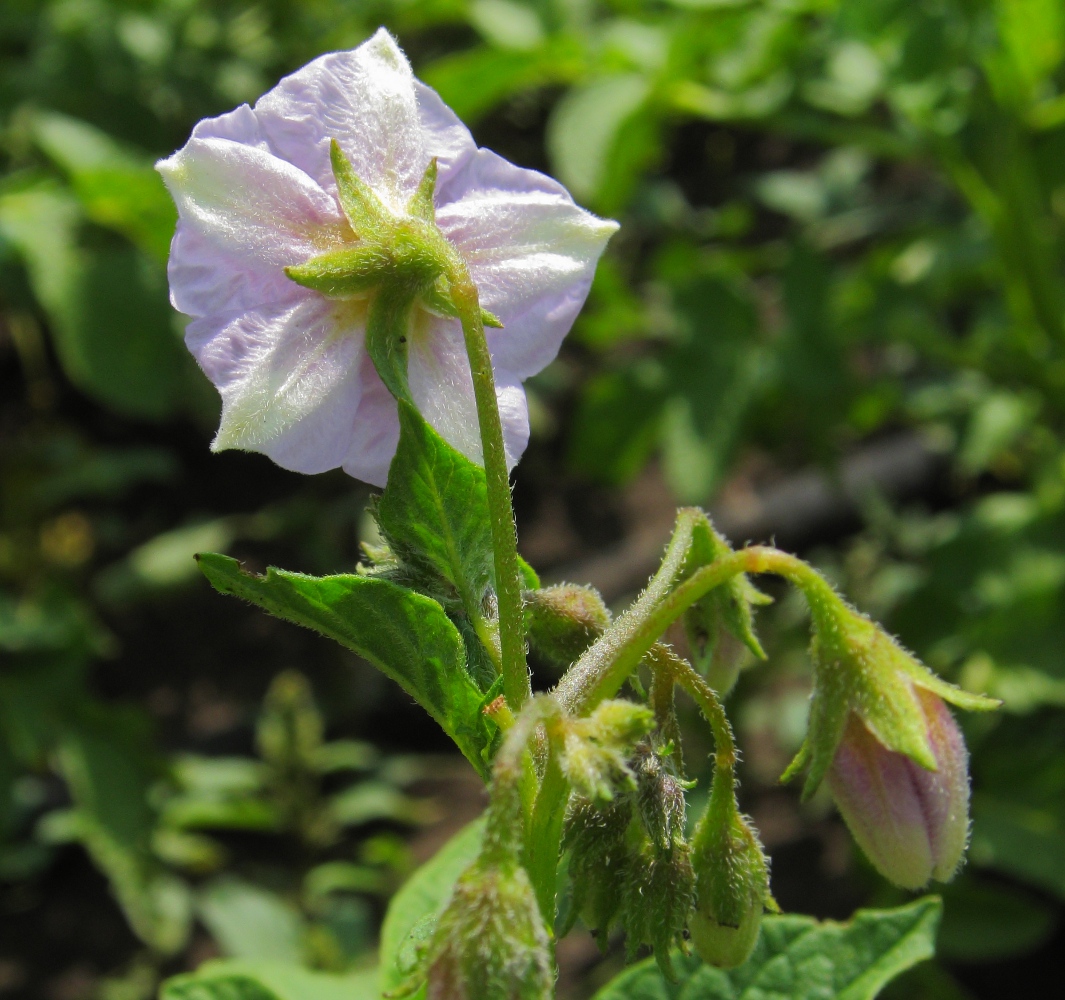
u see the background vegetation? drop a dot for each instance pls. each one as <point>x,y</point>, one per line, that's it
<point>834,314</point>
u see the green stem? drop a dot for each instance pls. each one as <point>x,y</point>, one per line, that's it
<point>592,678</point>
<point>515,670</point>
<point>710,705</point>
<point>601,671</point>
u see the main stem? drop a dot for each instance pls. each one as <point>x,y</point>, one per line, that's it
<point>515,670</point>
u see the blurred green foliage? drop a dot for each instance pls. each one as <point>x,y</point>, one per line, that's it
<point>841,218</point>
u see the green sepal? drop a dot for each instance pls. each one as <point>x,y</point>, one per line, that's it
<point>732,887</point>
<point>407,636</point>
<point>859,668</point>
<point>421,203</point>
<point>367,215</point>
<point>725,608</point>
<point>562,621</point>
<point>343,273</point>
<point>530,579</point>
<point>602,842</point>
<point>437,299</point>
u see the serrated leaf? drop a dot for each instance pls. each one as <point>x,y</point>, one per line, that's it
<point>407,636</point>
<point>799,958</point>
<point>263,980</point>
<point>421,897</point>
<point>434,510</point>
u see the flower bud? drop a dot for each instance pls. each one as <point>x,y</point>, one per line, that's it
<point>660,798</point>
<point>912,823</point>
<point>597,837</point>
<point>659,894</point>
<point>594,760</point>
<point>562,622</point>
<point>732,880</point>
<point>490,942</point>
<point>879,727</point>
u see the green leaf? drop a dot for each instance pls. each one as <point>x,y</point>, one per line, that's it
<point>422,897</point>
<point>235,979</point>
<point>118,188</point>
<point>405,635</point>
<point>248,921</point>
<point>434,511</point>
<point>107,307</point>
<point>800,958</point>
<point>585,125</point>
<point>109,768</point>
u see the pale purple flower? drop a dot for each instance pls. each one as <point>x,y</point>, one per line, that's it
<point>255,193</point>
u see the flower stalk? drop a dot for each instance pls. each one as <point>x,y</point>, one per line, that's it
<point>515,671</point>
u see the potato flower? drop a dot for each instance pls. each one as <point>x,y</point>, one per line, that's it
<point>257,194</point>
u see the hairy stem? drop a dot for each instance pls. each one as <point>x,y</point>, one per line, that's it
<point>594,676</point>
<point>603,668</point>
<point>515,670</point>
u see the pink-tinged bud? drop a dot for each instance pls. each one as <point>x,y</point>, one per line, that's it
<point>912,823</point>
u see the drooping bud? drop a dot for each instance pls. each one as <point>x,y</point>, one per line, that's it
<point>725,609</point>
<point>879,727</point>
<point>732,880</point>
<point>660,881</point>
<point>660,798</point>
<point>912,823</point>
<point>596,748</point>
<point>597,837</point>
<point>562,622</point>
<point>490,942</point>
<point>659,895</point>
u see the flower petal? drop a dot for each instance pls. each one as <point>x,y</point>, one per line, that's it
<point>877,792</point>
<point>532,253</point>
<point>376,432</point>
<point>366,100</point>
<point>245,214</point>
<point>945,792</point>
<point>288,376</point>
<point>440,383</point>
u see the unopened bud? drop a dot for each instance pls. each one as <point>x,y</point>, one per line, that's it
<point>732,880</point>
<point>490,942</point>
<point>912,823</point>
<point>597,838</point>
<point>563,621</point>
<point>879,728</point>
<point>659,895</point>
<point>660,798</point>
<point>596,748</point>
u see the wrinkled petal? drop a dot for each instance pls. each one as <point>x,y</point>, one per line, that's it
<point>442,388</point>
<point>375,435</point>
<point>244,211</point>
<point>367,100</point>
<point>288,376</point>
<point>208,280</point>
<point>532,253</point>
